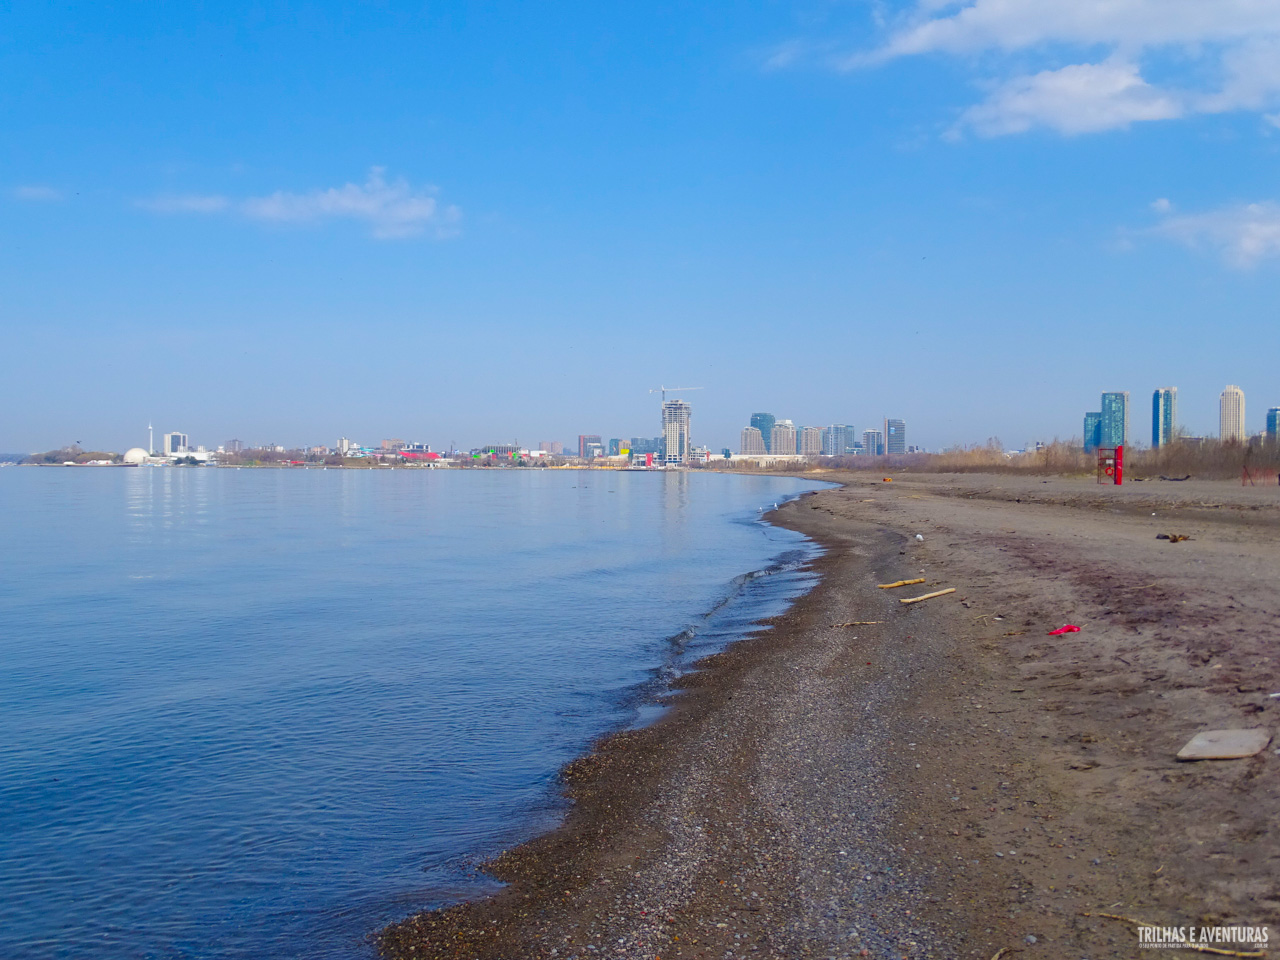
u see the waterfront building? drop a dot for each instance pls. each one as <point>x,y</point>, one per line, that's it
<point>615,447</point>
<point>782,439</point>
<point>1164,416</point>
<point>810,442</point>
<point>1273,424</point>
<point>838,440</point>
<point>1092,431</point>
<point>872,443</point>
<point>676,416</point>
<point>586,441</point>
<point>175,445</point>
<point>895,436</point>
<point>764,423</point>
<point>553,447</point>
<point>1115,419</point>
<point>752,442</point>
<point>1231,415</point>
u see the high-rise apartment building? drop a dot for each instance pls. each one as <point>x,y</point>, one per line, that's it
<point>552,447</point>
<point>1164,416</point>
<point>810,441</point>
<point>895,436</point>
<point>838,440</point>
<point>676,415</point>
<point>782,439</point>
<point>589,445</point>
<point>1231,414</point>
<point>1092,431</point>
<point>1115,418</point>
<point>873,443</point>
<point>1273,424</point>
<point>764,423</point>
<point>752,444</point>
<point>175,444</point>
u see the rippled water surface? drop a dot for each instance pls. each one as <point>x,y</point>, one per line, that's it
<point>260,713</point>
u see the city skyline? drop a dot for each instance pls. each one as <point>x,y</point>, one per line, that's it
<point>484,241</point>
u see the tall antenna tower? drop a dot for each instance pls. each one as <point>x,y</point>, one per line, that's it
<point>151,440</point>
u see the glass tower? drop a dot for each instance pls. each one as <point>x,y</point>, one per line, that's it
<point>764,423</point>
<point>1115,418</point>
<point>1164,416</point>
<point>1092,432</point>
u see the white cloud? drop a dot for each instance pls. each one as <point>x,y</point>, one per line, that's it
<point>1098,56</point>
<point>1083,98</point>
<point>37,193</point>
<point>392,209</point>
<point>1133,24</point>
<point>1162,205</point>
<point>1244,235</point>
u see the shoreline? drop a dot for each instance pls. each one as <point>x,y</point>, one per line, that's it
<point>934,784</point>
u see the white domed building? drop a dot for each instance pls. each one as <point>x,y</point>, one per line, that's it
<point>135,456</point>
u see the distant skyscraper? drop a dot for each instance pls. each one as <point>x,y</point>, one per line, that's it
<point>1273,424</point>
<point>782,439</point>
<point>586,443</point>
<point>676,415</point>
<point>872,443</point>
<point>895,436</point>
<point>234,446</point>
<point>1164,416</point>
<point>752,442</point>
<point>810,441</point>
<point>1231,414</point>
<point>1092,432</point>
<point>553,447</point>
<point>1115,418</point>
<point>838,440</point>
<point>764,423</point>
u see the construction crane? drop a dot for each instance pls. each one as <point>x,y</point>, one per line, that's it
<point>663,391</point>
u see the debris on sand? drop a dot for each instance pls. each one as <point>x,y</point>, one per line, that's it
<point>1225,744</point>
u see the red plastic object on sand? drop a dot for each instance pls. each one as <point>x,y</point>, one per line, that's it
<point>1069,628</point>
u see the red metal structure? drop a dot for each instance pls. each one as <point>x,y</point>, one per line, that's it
<point>1111,465</point>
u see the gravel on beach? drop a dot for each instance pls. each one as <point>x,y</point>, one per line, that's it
<point>946,782</point>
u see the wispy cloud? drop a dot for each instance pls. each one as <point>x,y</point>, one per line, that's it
<point>38,194</point>
<point>1099,57</point>
<point>392,209</point>
<point>1243,235</point>
<point>1083,98</point>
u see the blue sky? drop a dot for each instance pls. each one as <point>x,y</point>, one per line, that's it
<point>482,222</point>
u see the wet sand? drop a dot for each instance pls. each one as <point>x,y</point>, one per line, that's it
<point>947,780</point>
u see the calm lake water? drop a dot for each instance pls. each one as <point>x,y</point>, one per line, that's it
<point>261,713</point>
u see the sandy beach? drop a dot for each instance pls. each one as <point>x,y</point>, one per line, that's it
<point>941,779</point>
